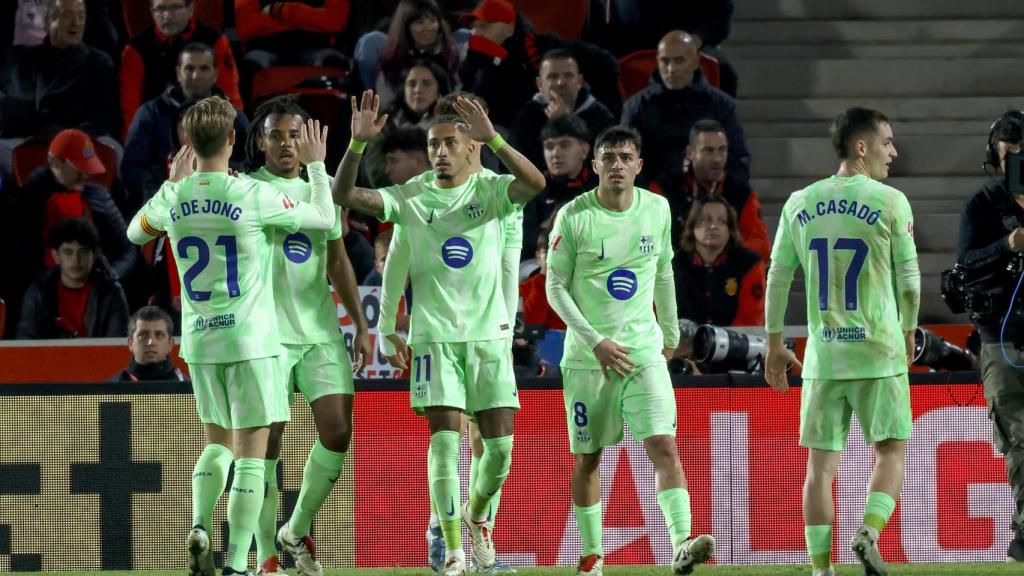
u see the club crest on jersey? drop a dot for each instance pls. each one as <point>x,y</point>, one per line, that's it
<point>646,244</point>
<point>297,247</point>
<point>473,210</point>
<point>457,252</point>
<point>622,284</point>
<point>731,286</point>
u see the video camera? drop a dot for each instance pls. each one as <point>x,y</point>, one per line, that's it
<point>935,352</point>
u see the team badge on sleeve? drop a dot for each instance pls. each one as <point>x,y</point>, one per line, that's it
<point>555,241</point>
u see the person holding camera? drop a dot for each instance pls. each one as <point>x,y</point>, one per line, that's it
<point>990,252</point>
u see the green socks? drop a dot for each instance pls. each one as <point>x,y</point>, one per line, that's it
<point>323,467</point>
<point>588,518</point>
<point>878,509</point>
<point>266,532</point>
<point>675,506</point>
<point>244,505</point>
<point>443,474</point>
<point>819,544</point>
<point>208,478</point>
<point>494,467</point>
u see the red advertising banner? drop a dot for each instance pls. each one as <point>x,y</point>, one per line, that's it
<point>744,469</point>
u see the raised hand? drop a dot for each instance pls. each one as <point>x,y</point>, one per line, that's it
<point>365,123</point>
<point>184,164</point>
<point>312,144</point>
<point>556,107</point>
<point>475,122</point>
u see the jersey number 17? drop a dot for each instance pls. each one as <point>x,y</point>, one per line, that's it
<point>860,253</point>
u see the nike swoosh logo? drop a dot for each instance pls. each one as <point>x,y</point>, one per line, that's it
<point>451,511</point>
<point>601,256</point>
<point>431,219</point>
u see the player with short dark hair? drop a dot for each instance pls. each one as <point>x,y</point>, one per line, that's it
<point>854,238</point>
<point>609,270</point>
<point>460,328</point>
<point>314,359</point>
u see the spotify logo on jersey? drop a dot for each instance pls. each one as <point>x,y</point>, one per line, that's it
<point>622,284</point>
<point>457,252</point>
<point>297,247</point>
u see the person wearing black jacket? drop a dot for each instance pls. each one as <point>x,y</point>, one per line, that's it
<point>77,298</point>
<point>561,92</point>
<point>667,108</point>
<point>150,342</point>
<point>60,83</point>
<point>991,238</point>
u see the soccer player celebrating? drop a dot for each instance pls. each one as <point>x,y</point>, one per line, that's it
<point>609,269</point>
<point>395,277</point>
<point>314,359</point>
<point>218,227</point>
<point>460,329</point>
<point>854,238</point>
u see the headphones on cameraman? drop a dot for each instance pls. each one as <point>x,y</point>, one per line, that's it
<point>992,148</point>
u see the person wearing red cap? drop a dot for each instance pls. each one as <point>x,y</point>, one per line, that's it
<point>63,190</point>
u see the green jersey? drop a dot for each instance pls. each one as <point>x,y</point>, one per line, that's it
<point>846,233</point>
<point>612,262</point>
<point>306,312</point>
<point>514,228</point>
<point>456,238</point>
<point>220,230</point>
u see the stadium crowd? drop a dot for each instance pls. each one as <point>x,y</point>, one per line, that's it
<point>92,93</point>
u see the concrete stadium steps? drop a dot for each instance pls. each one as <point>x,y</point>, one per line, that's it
<point>813,157</point>
<point>961,108</point>
<point>952,188</point>
<point>840,32</point>
<point>765,10</point>
<point>975,129</point>
<point>903,77</point>
<point>882,51</point>
<point>932,233</point>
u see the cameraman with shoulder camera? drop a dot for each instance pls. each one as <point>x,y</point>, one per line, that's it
<point>991,241</point>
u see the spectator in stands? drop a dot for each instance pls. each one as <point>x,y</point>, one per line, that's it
<point>667,108</point>
<point>536,309</point>
<point>632,23</point>
<point>561,92</point>
<point>62,190</point>
<point>418,31</point>
<point>358,248</point>
<point>60,83</point>
<point>703,174</point>
<point>291,33</point>
<point>77,298</point>
<point>405,154</point>
<point>150,342</point>
<point>380,254</point>
<point>566,144</point>
<point>152,138</point>
<point>149,61</point>
<point>718,281</point>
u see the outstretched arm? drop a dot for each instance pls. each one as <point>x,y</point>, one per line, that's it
<point>529,182</point>
<point>365,125</point>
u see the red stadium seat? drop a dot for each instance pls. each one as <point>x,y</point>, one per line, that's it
<point>270,82</point>
<point>565,17</point>
<point>31,154</point>
<point>635,71</point>
<point>137,14</point>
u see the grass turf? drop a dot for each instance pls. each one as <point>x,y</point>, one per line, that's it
<point>986,569</point>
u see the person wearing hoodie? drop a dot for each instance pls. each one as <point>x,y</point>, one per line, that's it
<point>152,137</point>
<point>561,92</point>
<point>676,98</point>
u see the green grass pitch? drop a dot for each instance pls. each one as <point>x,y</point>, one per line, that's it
<point>986,569</point>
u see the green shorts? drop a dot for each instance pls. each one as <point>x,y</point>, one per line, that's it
<point>882,406</point>
<point>469,376</point>
<point>316,370</point>
<point>237,395</point>
<point>596,407</point>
